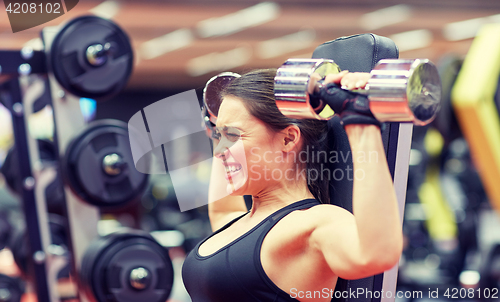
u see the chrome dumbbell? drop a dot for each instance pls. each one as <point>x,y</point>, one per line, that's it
<point>398,90</point>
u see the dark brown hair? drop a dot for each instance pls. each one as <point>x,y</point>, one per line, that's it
<point>256,90</point>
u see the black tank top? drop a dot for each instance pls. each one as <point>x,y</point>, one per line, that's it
<point>234,273</point>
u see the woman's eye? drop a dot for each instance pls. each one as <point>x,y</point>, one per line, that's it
<point>216,136</point>
<point>233,137</point>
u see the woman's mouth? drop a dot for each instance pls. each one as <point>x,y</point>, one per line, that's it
<point>232,170</point>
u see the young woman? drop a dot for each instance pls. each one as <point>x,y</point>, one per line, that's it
<point>292,245</point>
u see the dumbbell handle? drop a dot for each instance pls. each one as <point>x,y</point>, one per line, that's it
<point>321,85</point>
<point>333,95</point>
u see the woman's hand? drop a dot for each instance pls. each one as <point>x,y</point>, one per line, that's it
<point>352,107</point>
<point>345,79</point>
<point>349,80</point>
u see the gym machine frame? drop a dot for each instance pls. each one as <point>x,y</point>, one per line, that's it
<point>82,217</point>
<point>19,101</point>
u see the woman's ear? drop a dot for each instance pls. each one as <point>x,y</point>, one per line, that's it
<point>291,138</point>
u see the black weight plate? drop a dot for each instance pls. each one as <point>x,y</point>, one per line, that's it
<point>73,71</point>
<point>5,230</point>
<point>84,170</point>
<point>10,167</point>
<point>20,245</point>
<point>108,261</point>
<point>10,171</point>
<point>54,196</point>
<point>44,99</point>
<point>490,274</point>
<point>11,289</point>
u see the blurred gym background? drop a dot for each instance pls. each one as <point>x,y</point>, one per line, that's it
<point>451,228</point>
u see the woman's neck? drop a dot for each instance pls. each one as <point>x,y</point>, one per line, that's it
<point>273,199</point>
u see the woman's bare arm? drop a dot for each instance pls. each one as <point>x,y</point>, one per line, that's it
<point>370,241</point>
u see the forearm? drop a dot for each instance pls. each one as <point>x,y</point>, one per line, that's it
<point>224,210</point>
<point>374,200</point>
<point>226,205</point>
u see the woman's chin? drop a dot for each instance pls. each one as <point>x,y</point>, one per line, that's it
<point>235,193</point>
<point>235,184</point>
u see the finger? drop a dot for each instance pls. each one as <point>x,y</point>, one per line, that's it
<point>335,78</point>
<point>347,82</point>
<point>356,80</point>
<point>362,80</point>
<point>315,77</point>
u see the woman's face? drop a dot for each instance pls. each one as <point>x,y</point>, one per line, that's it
<point>247,153</point>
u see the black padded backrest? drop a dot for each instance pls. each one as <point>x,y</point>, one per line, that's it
<point>358,53</point>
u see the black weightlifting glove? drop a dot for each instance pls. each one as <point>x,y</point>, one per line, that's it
<point>352,107</point>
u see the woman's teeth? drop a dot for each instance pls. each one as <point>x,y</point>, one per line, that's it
<point>233,169</point>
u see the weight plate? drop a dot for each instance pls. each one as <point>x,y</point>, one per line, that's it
<point>127,266</point>
<point>211,93</point>
<point>11,289</point>
<point>10,171</point>
<point>20,244</point>
<point>99,166</point>
<point>5,229</point>
<point>10,167</point>
<point>490,275</point>
<point>91,57</point>
<point>44,99</point>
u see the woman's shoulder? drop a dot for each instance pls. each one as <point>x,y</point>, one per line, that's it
<point>302,222</point>
<point>321,213</point>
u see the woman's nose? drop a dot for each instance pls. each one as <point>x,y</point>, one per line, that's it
<point>221,150</point>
